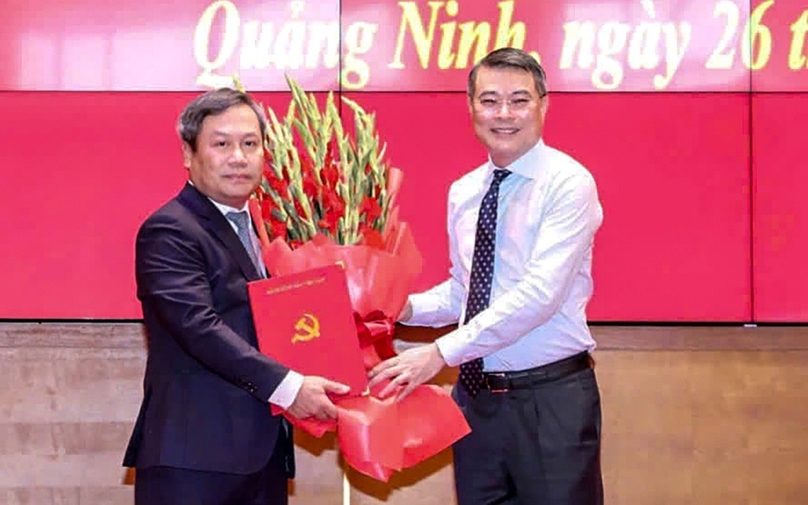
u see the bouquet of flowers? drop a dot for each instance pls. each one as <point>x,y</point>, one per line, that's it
<point>320,180</point>
<point>329,196</point>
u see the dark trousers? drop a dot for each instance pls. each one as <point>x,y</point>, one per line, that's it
<point>537,446</point>
<point>163,485</point>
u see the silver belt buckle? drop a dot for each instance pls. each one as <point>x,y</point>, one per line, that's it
<point>495,374</point>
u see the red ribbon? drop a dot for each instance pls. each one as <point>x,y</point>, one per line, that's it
<point>375,337</point>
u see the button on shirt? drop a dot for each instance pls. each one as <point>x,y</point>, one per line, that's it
<point>286,392</point>
<point>548,213</point>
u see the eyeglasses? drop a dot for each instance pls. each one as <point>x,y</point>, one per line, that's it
<point>493,105</point>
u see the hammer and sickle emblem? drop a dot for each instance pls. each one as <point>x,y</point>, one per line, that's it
<point>307,328</point>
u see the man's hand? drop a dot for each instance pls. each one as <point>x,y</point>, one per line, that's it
<point>311,400</point>
<point>409,369</point>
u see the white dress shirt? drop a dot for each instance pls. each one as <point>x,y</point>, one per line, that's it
<point>286,392</point>
<point>548,213</point>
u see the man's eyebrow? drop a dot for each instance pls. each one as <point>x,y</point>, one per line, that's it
<point>518,92</point>
<point>488,93</point>
<point>220,133</point>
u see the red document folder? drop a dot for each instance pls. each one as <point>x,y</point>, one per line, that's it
<point>305,321</point>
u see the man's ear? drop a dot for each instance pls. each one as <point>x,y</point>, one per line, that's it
<point>187,154</point>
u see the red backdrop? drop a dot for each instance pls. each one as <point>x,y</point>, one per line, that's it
<point>700,183</point>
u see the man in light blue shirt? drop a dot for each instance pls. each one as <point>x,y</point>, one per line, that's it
<point>521,230</point>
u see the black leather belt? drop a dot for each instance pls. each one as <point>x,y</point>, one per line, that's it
<point>500,382</point>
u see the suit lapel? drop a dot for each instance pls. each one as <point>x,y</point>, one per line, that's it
<point>217,225</point>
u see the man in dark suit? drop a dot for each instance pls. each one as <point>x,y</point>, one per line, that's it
<point>205,434</point>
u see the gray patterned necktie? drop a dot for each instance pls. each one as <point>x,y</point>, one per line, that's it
<point>482,275</point>
<point>242,222</point>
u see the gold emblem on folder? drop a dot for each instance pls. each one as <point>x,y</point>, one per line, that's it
<point>306,328</point>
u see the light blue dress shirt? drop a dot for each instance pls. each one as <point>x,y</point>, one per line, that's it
<point>548,213</point>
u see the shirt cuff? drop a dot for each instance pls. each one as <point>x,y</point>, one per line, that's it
<point>451,347</point>
<point>286,392</point>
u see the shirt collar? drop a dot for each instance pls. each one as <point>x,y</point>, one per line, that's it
<point>224,209</point>
<point>528,165</point>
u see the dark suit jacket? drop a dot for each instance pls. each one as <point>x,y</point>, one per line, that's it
<point>206,385</point>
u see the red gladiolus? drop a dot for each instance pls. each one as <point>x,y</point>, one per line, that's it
<point>330,175</point>
<point>332,202</point>
<point>330,220</point>
<point>278,228</point>
<point>280,186</point>
<point>310,186</point>
<point>266,207</point>
<point>371,209</point>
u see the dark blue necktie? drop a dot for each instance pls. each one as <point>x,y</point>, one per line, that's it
<point>482,275</point>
